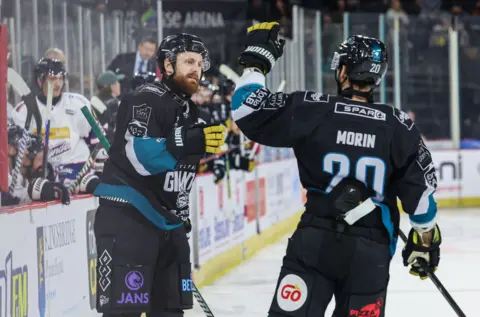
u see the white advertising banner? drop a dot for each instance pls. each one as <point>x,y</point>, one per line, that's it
<point>48,252</point>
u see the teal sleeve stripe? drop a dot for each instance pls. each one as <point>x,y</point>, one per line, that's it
<point>152,154</point>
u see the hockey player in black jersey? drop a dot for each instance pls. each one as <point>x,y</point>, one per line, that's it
<point>142,222</point>
<point>355,158</point>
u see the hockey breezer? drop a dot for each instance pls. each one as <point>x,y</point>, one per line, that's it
<point>142,222</point>
<point>355,157</point>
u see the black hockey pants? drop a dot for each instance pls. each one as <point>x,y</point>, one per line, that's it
<point>328,258</point>
<point>140,268</point>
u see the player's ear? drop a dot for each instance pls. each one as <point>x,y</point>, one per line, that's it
<point>168,67</point>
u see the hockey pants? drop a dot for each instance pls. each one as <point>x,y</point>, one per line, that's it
<point>324,260</point>
<point>140,268</point>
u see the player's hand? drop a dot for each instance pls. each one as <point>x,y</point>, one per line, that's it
<point>422,247</point>
<point>100,160</point>
<point>214,138</point>
<point>262,48</point>
<point>196,140</point>
<point>219,170</point>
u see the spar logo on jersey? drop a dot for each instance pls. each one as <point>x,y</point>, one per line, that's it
<point>360,111</point>
<point>403,118</point>
<point>292,293</point>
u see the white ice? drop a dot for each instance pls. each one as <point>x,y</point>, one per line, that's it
<point>248,289</point>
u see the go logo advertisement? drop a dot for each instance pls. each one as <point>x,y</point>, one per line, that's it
<point>13,289</point>
<point>292,293</point>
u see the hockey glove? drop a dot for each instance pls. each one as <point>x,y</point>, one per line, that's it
<point>196,140</point>
<point>41,189</point>
<point>100,160</point>
<point>88,184</point>
<point>422,247</point>
<point>218,170</point>
<point>262,48</point>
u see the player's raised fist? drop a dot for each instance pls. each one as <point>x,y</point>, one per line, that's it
<point>263,47</point>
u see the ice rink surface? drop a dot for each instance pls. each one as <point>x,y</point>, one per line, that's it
<point>248,289</point>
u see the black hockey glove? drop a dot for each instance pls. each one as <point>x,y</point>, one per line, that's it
<point>218,170</point>
<point>422,247</point>
<point>196,140</point>
<point>88,184</point>
<point>262,48</point>
<point>41,189</point>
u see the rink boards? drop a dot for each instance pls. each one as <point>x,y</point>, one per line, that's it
<point>48,254</point>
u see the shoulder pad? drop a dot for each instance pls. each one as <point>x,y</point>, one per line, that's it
<point>403,118</point>
<point>311,96</point>
<point>152,89</point>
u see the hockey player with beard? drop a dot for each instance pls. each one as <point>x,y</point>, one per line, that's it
<point>355,157</point>
<point>70,134</point>
<point>142,222</point>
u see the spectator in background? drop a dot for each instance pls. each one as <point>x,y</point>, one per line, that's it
<point>141,61</point>
<point>105,103</point>
<point>55,53</point>
<point>396,10</point>
<point>476,9</point>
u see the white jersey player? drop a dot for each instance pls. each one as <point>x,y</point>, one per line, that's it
<point>71,137</point>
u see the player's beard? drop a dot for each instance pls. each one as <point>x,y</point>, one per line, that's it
<point>187,84</point>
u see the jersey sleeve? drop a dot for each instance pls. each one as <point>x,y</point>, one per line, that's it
<point>415,174</point>
<point>19,115</point>
<point>273,119</point>
<point>145,133</point>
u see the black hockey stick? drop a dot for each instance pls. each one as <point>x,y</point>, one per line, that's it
<point>436,281</point>
<point>201,301</point>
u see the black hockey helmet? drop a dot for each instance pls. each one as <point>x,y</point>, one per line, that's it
<point>365,58</point>
<point>15,133</point>
<point>140,79</point>
<point>34,146</point>
<point>49,67</point>
<point>173,45</point>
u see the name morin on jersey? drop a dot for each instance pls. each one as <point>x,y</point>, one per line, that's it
<point>356,139</point>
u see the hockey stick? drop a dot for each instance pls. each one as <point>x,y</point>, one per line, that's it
<point>201,301</point>
<point>18,84</point>
<point>85,169</point>
<point>48,118</point>
<point>436,281</point>
<point>229,73</point>
<point>91,158</point>
<point>96,128</point>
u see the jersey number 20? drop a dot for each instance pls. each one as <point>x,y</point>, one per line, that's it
<point>358,170</point>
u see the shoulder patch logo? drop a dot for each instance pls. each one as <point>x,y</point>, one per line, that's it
<point>403,118</point>
<point>360,111</point>
<point>138,126</point>
<point>424,159</point>
<point>311,96</point>
<point>142,113</point>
